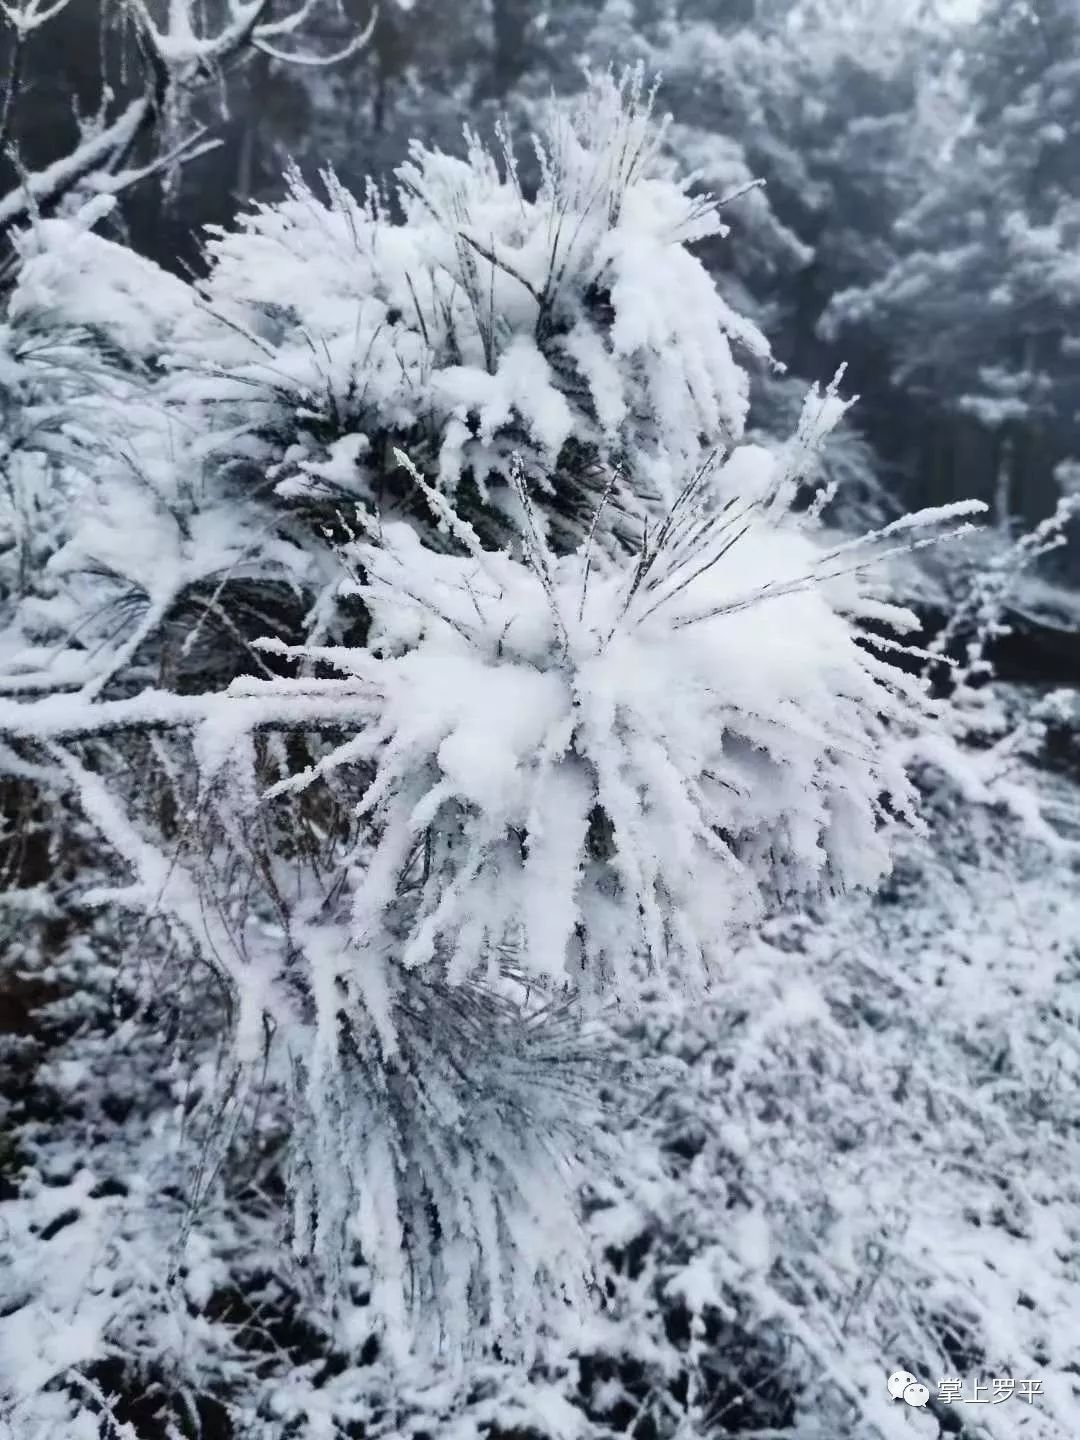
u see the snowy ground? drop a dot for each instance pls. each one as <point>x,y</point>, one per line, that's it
<point>860,1155</point>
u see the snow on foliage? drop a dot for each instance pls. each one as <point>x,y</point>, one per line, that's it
<point>586,696</point>
<point>611,767</point>
<point>574,328</point>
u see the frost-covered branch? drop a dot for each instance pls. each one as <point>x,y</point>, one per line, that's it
<point>180,60</point>
<point>180,47</point>
<point>26,16</point>
<point>73,717</point>
<point>177,44</point>
<point>98,152</point>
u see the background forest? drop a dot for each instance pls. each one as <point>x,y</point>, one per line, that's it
<point>538,832</point>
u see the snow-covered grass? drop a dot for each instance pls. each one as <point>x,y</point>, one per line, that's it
<point>857,1153</point>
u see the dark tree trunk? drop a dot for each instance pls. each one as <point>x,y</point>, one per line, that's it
<point>509,47</point>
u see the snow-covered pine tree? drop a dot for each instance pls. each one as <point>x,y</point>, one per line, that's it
<point>466,667</point>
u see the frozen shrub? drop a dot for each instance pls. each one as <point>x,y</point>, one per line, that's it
<point>586,694</point>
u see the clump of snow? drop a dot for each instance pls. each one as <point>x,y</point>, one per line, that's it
<point>610,770</point>
<point>96,284</point>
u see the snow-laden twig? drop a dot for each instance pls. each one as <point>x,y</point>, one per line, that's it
<point>26,16</point>
<point>98,151</point>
